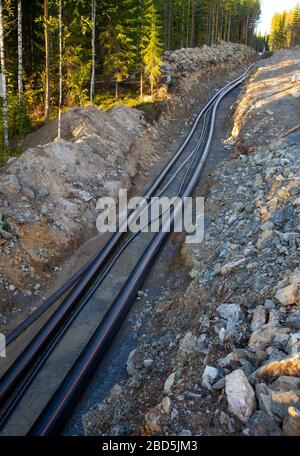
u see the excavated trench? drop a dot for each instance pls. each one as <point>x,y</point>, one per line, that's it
<point>169,277</point>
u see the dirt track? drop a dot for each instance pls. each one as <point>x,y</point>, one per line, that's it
<point>270,105</point>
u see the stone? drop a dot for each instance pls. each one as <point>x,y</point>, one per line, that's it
<point>261,425</point>
<point>148,363</point>
<point>269,304</point>
<point>226,361</point>
<point>259,318</point>
<point>185,433</point>
<point>153,415</point>
<point>42,191</point>
<point>187,345</point>
<point>263,396</point>
<point>152,421</point>
<point>169,383</point>
<point>289,366</point>
<point>286,383</point>
<point>295,277</point>
<point>293,320</point>
<point>288,295</point>
<point>264,338</point>
<point>291,423</point>
<point>295,78</point>
<point>219,385</point>
<point>228,267</point>
<point>230,312</point>
<point>275,355</point>
<point>166,405</point>
<point>282,400</point>
<point>247,367</point>
<point>209,376</point>
<point>28,193</point>
<point>274,318</point>
<point>82,195</point>
<point>223,418</point>
<point>131,368</point>
<point>240,395</point>
<point>266,235</point>
<point>293,345</point>
<point>10,184</point>
<point>283,216</point>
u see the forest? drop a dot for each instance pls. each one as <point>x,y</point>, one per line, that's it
<point>285,29</point>
<point>57,54</point>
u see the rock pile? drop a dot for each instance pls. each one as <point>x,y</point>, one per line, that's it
<point>226,358</point>
<point>182,62</point>
<point>48,195</point>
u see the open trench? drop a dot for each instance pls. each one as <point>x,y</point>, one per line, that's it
<point>168,278</point>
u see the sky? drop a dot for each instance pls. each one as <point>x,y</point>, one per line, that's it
<point>269,7</point>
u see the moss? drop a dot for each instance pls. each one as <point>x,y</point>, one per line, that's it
<point>6,226</point>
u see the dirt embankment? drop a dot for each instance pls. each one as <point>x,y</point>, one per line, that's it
<point>48,195</point>
<point>224,357</point>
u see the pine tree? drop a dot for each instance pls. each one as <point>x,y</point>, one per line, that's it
<point>119,41</point>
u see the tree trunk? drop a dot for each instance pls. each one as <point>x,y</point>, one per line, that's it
<point>142,84</point>
<point>167,20</point>
<point>246,29</point>
<point>92,91</point>
<point>31,61</point>
<point>229,27</point>
<point>3,70</point>
<point>182,23</point>
<point>117,90</point>
<point>208,30</point>
<point>188,24</point>
<point>60,70</point>
<point>20,50</point>
<point>193,23</point>
<point>217,25</point>
<point>213,24</point>
<point>47,51</point>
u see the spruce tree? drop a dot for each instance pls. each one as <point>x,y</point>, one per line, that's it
<point>153,50</point>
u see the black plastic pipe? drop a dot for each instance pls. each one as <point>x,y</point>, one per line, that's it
<point>59,293</point>
<point>64,399</point>
<point>57,319</point>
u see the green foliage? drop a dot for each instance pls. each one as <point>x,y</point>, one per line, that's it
<point>118,40</point>
<point>131,36</point>
<point>19,121</point>
<point>285,29</point>
<point>152,47</point>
